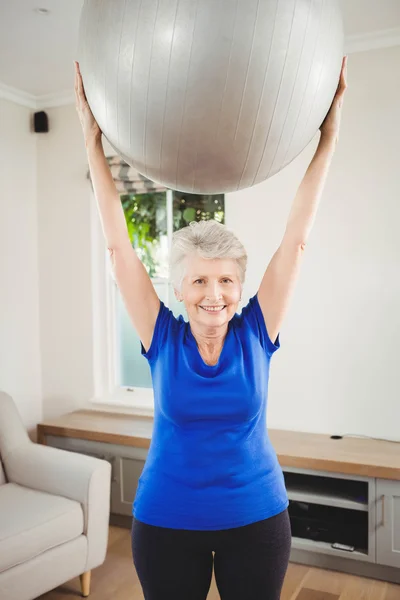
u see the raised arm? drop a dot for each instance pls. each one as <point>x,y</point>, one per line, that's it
<point>134,283</point>
<point>282,272</point>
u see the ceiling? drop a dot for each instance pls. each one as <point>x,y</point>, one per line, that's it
<point>37,51</point>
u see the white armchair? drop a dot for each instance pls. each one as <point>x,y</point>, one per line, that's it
<point>54,512</point>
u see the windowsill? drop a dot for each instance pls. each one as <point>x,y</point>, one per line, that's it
<point>134,401</point>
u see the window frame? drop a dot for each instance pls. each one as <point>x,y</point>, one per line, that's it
<point>103,290</point>
<point>104,368</point>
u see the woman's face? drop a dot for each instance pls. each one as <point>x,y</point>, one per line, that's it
<point>211,290</point>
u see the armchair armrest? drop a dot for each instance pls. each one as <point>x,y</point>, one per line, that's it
<point>12,430</point>
<point>78,477</point>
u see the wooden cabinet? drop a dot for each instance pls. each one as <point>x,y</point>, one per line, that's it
<point>354,483</point>
<point>126,472</point>
<point>388,522</point>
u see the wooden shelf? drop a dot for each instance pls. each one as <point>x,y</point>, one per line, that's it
<point>353,456</point>
<point>300,494</point>
<point>326,548</point>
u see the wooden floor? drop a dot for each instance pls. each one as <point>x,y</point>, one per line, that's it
<point>116,579</point>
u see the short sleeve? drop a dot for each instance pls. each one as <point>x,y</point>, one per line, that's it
<point>253,317</point>
<point>160,333</point>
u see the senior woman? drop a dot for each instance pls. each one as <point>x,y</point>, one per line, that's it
<point>212,493</point>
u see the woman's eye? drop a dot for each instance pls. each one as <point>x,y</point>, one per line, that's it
<point>227,280</point>
<point>199,280</point>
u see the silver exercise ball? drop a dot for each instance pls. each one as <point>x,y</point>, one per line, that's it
<point>210,96</point>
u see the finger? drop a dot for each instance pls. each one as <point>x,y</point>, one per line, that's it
<point>344,69</point>
<point>78,68</point>
<point>76,76</point>
<point>82,88</point>
<point>342,83</point>
<point>77,93</point>
<point>77,87</point>
<point>343,76</point>
<point>77,102</point>
<point>81,91</point>
<point>342,89</point>
<point>339,84</point>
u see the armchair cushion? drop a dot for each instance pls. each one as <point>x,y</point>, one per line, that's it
<point>33,522</point>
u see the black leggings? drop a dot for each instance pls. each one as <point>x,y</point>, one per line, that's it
<point>250,562</point>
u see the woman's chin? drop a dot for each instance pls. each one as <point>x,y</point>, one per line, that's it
<point>215,317</point>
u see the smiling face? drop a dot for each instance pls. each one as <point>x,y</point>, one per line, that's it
<point>211,291</point>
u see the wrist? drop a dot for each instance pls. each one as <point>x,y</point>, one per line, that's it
<point>93,142</point>
<point>328,140</point>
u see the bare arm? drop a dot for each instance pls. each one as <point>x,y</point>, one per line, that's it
<point>282,272</point>
<point>134,283</point>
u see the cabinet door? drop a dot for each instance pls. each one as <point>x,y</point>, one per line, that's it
<point>125,475</point>
<point>388,522</point>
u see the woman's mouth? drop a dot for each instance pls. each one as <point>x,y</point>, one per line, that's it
<point>214,309</point>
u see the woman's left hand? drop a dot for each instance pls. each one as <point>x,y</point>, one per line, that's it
<point>331,124</point>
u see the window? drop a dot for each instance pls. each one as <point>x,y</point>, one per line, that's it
<point>151,219</point>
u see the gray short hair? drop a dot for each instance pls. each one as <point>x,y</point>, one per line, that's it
<point>209,239</point>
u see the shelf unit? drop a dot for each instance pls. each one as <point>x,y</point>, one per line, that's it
<point>340,498</point>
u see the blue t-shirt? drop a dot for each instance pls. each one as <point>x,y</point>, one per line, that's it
<point>210,463</point>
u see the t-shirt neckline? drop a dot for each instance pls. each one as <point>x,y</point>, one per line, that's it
<point>200,359</point>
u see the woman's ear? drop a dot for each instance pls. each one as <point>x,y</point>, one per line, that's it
<point>178,295</point>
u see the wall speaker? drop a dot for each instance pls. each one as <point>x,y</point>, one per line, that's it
<point>40,122</point>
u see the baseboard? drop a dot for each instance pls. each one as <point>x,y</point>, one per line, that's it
<point>353,567</point>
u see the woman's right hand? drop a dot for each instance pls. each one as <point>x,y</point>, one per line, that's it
<point>90,127</point>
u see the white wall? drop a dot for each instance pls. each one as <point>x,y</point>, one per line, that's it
<point>65,264</point>
<point>20,369</point>
<point>336,368</point>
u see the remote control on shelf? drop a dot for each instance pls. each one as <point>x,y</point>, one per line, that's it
<point>338,546</point>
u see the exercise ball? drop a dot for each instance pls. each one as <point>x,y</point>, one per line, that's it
<point>210,96</point>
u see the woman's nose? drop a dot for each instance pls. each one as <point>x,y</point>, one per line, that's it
<point>214,291</point>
